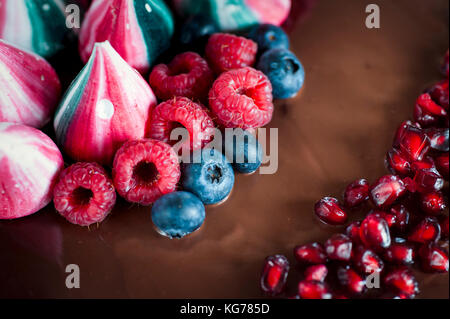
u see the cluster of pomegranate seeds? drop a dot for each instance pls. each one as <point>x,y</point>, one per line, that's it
<point>406,227</point>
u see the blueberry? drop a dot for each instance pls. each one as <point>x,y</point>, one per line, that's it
<point>242,150</point>
<point>196,29</point>
<point>178,214</point>
<point>269,36</point>
<point>209,176</point>
<point>284,71</point>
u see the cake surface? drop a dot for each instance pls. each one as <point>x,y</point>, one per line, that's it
<point>360,85</point>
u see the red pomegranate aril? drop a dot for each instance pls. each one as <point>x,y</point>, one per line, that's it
<point>410,185</point>
<point>367,261</point>
<point>401,130</point>
<point>386,190</point>
<point>350,280</point>
<point>414,143</point>
<point>438,138</point>
<point>401,280</point>
<point>316,273</point>
<point>439,93</point>
<point>426,163</point>
<point>274,275</point>
<point>401,217</point>
<point>442,165</point>
<point>339,247</point>
<point>428,230</point>
<point>399,253</point>
<point>388,217</point>
<point>330,211</point>
<point>356,193</point>
<point>313,290</point>
<point>432,203</point>
<point>397,163</point>
<point>428,180</point>
<point>427,112</point>
<point>433,258</point>
<point>374,232</point>
<point>443,222</point>
<point>352,232</point>
<point>310,254</point>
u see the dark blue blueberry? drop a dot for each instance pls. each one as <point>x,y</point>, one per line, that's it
<point>209,176</point>
<point>242,150</point>
<point>197,28</point>
<point>178,214</point>
<point>284,71</point>
<point>269,36</point>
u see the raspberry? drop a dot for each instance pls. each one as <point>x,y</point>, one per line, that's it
<point>187,75</point>
<point>84,194</point>
<point>242,98</point>
<point>227,51</point>
<point>182,111</point>
<point>144,170</point>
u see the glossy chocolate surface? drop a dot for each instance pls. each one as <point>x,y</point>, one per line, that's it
<point>360,84</point>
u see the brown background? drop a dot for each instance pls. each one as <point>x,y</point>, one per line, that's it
<point>360,84</point>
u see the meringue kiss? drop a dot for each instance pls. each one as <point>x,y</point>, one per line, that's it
<point>29,165</point>
<point>106,105</point>
<point>140,30</point>
<point>35,25</point>
<point>29,87</point>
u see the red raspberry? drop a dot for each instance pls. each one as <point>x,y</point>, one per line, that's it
<point>227,51</point>
<point>242,98</point>
<point>84,194</point>
<point>144,170</point>
<point>182,112</point>
<point>187,75</point>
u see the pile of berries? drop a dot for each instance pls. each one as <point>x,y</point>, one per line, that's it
<point>147,171</point>
<point>405,225</point>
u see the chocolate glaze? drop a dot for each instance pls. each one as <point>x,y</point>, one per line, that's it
<point>360,84</point>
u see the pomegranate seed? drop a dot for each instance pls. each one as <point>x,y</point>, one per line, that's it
<point>356,193</point>
<point>386,190</point>
<point>438,138</point>
<point>396,162</point>
<point>401,130</point>
<point>339,247</point>
<point>442,165</point>
<point>402,281</point>
<point>274,275</point>
<point>428,230</point>
<point>374,232</point>
<point>389,218</point>
<point>443,222</point>
<point>426,163</point>
<point>311,254</point>
<point>432,203</point>
<point>410,185</point>
<point>330,211</point>
<point>401,217</point>
<point>399,253</point>
<point>367,261</point>
<point>439,93</point>
<point>313,290</point>
<point>316,273</point>
<point>433,258</point>
<point>428,180</point>
<point>352,232</point>
<point>350,280</point>
<point>426,111</point>
<point>414,143</point>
